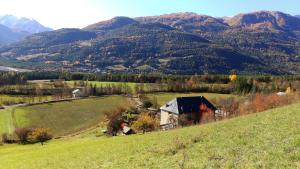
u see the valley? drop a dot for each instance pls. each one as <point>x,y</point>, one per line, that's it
<point>143,84</point>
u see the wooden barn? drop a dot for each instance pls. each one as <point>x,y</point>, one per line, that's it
<point>191,110</point>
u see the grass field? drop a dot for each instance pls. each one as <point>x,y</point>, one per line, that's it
<point>265,140</point>
<point>163,98</point>
<point>63,117</point>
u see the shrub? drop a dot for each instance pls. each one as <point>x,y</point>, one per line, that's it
<point>22,134</point>
<point>7,138</point>
<point>147,104</point>
<point>145,123</point>
<point>229,105</point>
<point>39,135</point>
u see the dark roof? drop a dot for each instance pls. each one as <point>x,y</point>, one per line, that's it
<point>187,105</point>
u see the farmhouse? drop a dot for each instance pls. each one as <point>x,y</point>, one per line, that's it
<point>191,110</point>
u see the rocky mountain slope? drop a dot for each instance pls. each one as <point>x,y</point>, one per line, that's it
<point>181,43</point>
<point>18,28</point>
<point>7,35</point>
<point>23,24</point>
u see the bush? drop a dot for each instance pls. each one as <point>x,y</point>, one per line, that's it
<point>33,135</point>
<point>145,123</point>
<point>229,105</point>
<point>39,135</point>
<point>147,104</point>
<point>7,138</point>
<point>22,134</point>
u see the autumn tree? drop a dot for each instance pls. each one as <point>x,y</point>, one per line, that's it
<point>39,135</point>
<point>145,123</point>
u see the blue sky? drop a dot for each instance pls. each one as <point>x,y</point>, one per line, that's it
<point>80,13</point>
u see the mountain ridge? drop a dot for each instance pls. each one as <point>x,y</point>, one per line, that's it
<point>180,43</point>
<point>14,29</point>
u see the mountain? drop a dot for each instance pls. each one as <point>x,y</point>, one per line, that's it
<point>7,35</point>
<point>187,21</point>
<point>298,16</point>
<point>57,37</point>
<point>117,22</point>
<point>263,42</point>
<point>265,20</point>
<point>23,24</point>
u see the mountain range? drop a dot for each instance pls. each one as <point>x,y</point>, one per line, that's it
<point>13,29</point>
<point>263,42</point>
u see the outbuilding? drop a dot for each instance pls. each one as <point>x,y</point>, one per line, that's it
<point>192,110</point>
<point>77,93</point>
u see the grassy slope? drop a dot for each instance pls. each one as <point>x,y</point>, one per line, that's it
<point>163,98</point>
<point>265,140</point>
<point>65,117</point>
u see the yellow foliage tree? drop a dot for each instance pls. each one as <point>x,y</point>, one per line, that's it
<point>145,123</point>
<point>40,135</point>
<point>233,77</point>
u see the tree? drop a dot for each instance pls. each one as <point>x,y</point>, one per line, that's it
<point>40,135</point>
<point>145,123</point>
<point>23,134</point>
<point>147,104</point>
<point>114,121</point>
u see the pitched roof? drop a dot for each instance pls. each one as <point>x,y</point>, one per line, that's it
<point>186,105</point>
<point>171,106</point>
<point>76,91</point>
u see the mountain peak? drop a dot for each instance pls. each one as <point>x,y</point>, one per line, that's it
<point>187,21</point>
<point>264,20</point>
<point>113,23</point>
<point>23,24</point>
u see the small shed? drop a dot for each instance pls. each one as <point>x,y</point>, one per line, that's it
<point>196,109</point>
<point>77,93</point>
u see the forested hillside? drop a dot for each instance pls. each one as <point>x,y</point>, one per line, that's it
<point>263,42</point>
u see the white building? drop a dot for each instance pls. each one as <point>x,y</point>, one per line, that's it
<point>77,93</point>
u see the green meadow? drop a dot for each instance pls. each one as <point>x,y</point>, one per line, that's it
<point>61,117</point>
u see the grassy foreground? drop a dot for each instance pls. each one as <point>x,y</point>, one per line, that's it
<point>264,140</point>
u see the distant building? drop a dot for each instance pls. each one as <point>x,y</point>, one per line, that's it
<point>77,93</point>
<point>281,94</point>
<point>193,109</point>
